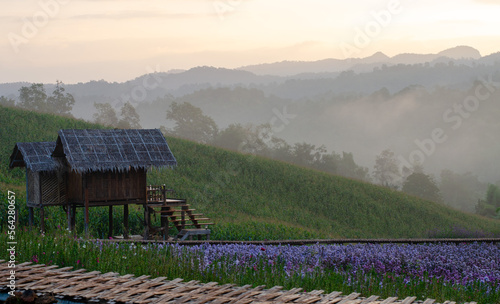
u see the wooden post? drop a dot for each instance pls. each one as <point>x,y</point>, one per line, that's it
<point>164,221</point>
<point>42,213</point>
<point>42,219</point>
<point>110,222</point>
<point>86,197</point>
<point>30,209</point>
<point>73,219</point>
<point>68,213</point>
<point>146,221</point>
<point>163,193</point>
<point>183,216</point>
<point>30,217</point>
<point>125,221</point>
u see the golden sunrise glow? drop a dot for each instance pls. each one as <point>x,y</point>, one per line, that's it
<point>82,40</point>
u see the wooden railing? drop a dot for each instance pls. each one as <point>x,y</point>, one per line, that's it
<point>157,194</point>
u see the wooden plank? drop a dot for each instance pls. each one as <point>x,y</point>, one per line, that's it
<point>370,299</point>
<point>429,301</point>
<point>389,300</point>
<point>349,298</point>
<point>333,297</point>
<point>409,300</point>
<point>144,290</point>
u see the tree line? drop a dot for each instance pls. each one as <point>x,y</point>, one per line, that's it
<point>456,190</point>
<point>460,191</point>
<point>35,98</point>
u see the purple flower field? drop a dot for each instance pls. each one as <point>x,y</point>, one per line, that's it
<point>462,264</point>
<point>466,272</point>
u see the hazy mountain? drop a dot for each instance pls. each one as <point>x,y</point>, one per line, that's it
<point>460,52</point>
<point>362,106</point>
<point>288,68</point>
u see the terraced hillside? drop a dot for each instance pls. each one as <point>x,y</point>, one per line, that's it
<point>255,198</point>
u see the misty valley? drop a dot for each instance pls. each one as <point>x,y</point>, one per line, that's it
<point>433,118</point>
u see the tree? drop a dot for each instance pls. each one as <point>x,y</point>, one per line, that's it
<point>60,103</point>
<point>231,137</point>
<point>105,115</point>
<point>423,186</point>
<point>129,117</point>
<point>387,169</point>
<point>33,97</point>
<point>347,167</point>
<point>307,155</point>
<point>493,195</point>
<point>191,123</point>
<point>7,102</point>
<point>330,162</point>
<point>461,191</point>
<point>491,204</point>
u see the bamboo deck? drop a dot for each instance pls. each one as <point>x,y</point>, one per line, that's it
<point>111,287</point>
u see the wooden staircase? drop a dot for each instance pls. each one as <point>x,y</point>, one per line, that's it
<point>173,212</point>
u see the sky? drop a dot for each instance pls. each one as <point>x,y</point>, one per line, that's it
<point>118,40</point>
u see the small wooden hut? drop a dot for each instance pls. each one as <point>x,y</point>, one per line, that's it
<point>88,168</point>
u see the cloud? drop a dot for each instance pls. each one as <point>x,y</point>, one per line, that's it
<point>136,15</point>
<point>489,2</point>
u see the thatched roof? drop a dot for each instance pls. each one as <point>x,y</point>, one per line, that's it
<point>116,150</point>
<point>34,155</point>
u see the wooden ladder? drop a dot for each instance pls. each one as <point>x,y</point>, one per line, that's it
<point>177,212</point>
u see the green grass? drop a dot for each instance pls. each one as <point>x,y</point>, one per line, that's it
<point>172,262</point>
<point>251,197</point>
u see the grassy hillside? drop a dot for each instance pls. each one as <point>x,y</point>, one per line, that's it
<point>253,197</point>
<point>24,126</point>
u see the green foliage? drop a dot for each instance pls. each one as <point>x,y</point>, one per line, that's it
<point>105,115</point>
<point>157,260</point>
<point>191,123</point>
<point>24,126</point>
<point>490,206</point>
<point>387,169</point>
<point>129,117</point>
<point>461,191</point>
<point>7,102</point>
<point>35,98</point>
<point>246,195</point>
<point>60,103</point>
<point>231,187</point>
<point>493,195</point>
<point>250,231</point>
<point>422,185</point>
<point>231,138</point>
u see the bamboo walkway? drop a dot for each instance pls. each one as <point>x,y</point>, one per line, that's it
<point>111,287</point>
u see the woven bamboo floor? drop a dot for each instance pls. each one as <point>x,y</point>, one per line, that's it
<point>111,287</point>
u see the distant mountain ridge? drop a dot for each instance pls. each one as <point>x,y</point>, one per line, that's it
<point>289,68</point>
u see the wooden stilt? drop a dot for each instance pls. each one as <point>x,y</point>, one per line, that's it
<point>146,221</point>
<point>28,196</point>
<point>164,222</point>
<point>68,213</point>
<point>30,217</point>
<point>86,212</point>
<point>42,219</point>
<point>125,222</point>
<point>183,216</point>
<point>73,219</point>
<point>110,222</point>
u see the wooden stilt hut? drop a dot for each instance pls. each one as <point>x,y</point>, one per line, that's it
<point>88,168</point>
